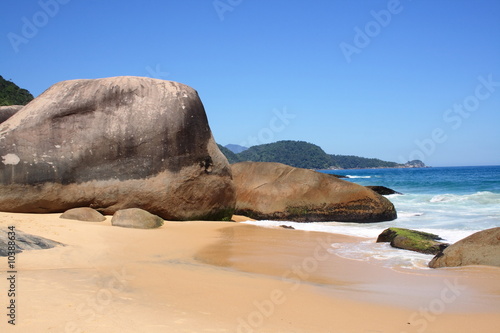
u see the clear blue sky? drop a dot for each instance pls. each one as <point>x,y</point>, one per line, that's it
<point>388,79</point>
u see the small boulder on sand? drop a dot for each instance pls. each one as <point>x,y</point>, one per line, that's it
<point>136,218</point>
<point>86,214</point>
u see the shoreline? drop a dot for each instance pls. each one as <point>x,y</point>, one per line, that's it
<point>230,277</point>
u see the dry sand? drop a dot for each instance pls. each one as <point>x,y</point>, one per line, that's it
<point>229,277</point>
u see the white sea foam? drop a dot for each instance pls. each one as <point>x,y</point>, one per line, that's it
<point>409,214</point>
<point>483,197</point>
<point>369,250</point>
<point>450,216</point>
<point>358,177</point>
<point>383,253</point>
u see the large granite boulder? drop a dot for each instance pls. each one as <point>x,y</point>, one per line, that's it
<point>111,144</point>
<point>480,248</point>
<point>8,111</point>
<point>276,191</point>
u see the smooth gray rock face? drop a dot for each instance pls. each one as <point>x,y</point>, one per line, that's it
<point>111,144</point>
<point>136,218</point>
<point>8,111</point>
<point>85,214</point>
<point>480,248</point>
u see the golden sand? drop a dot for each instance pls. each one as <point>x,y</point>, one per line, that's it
<point>229,277</point>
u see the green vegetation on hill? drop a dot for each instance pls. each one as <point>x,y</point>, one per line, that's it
<point>11,94</point>
<point>231,157</point>
<point>356,162</point>
<point>306,155</point>
<point>298,154</point>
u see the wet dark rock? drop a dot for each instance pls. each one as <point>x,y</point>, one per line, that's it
<point>286,226</point>
<point>382,190</point>
<point>24,242</point>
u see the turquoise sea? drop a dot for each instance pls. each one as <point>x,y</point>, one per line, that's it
<point>452,202</point>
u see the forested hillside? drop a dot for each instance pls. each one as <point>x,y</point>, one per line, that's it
<point>11,94</point>
<point>294,153</point>
<point>356,162</point>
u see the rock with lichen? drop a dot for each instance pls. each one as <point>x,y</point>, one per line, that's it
<point>412,240</point>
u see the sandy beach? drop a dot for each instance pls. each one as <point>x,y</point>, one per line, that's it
<point>229,277</point>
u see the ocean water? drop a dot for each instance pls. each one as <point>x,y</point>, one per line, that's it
<point>452,202</point>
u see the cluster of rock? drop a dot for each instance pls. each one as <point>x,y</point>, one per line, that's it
<point>130,142</point>
<point>127,218</point>
<point>480,248</point>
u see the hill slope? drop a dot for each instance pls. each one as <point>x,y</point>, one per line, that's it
<point>11,94</point>
<point>235,148</point>
<point>294,153</point>
<point>356,162</point>
<point>231,157</point>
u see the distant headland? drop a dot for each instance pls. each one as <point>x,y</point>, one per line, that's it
<point>301,154</point>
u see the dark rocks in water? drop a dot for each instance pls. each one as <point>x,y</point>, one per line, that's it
<point>412,240</point>
<point>284,226</point>
<point>111,144</point>
<point>337,176</point>
<point>480,248</point>
<point>24,242</point>
<point>382,190</point>
<point>85,214</point>
<point>8,111</point>
<point>136,218</point>
<point>275,191</point>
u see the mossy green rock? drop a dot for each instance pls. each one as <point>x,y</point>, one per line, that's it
<point>412,240</point>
